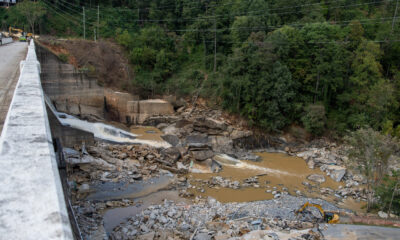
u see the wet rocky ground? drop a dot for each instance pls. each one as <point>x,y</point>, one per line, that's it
<point>210,219</point>
<point>125,191</point>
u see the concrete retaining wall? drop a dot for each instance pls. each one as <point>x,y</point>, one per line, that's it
<point>139,111</point>
<point>32,202</point>
<point>5,41</point>
<point>70,90</point>
<point>75,93</point>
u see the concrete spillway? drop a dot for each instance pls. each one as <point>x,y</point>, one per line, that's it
<point>101,130</point>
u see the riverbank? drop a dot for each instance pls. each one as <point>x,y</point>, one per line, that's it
<point>201,156</point>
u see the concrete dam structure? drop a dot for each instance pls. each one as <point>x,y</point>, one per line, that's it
<point>74,92</point>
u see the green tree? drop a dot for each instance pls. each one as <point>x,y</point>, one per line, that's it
<point>240,26</point>
<point>389,192</point>
<point>369,153</point>
<point>33,11</point>
<point>258,85</point>
<point>326,66</point>
<point>380,103</point>
<point>366,67</point>
<point>314,119</point>
<point>124,38</point>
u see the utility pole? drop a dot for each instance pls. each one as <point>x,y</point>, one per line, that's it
<point>395,14</point>
<point>205,46</point>
<point>215,43</point>
<point>98,20</point>
<point>84,26</point>
<point>138,13</point>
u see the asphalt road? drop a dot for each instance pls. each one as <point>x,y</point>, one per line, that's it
<point>361,232</point>
<point>10,57</point>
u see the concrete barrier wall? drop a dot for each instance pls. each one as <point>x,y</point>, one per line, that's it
<point>5,41</point>
<point>32,202</point>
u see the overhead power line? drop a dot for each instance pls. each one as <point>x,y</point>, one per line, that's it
<point>270,10</point>
<point>61,15</point>
<point>165,7</point>
<point>60,10</point>
<point>395,14</point>
<point>255,28</point>
<point>70,8</point>
<point>219,5</point>
<point>338,23</point>
<point>269,13</point>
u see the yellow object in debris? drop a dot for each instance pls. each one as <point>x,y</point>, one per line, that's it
<point>329,217</point>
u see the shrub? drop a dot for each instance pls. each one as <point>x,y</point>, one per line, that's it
<point>63,57</point>
<point>314,119</point>
<point>389,193</point>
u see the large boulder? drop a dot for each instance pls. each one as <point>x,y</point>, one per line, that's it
<point>202,155</point>
<point>197,141</point>
<point>182,123</point>
<point>236,134</point>
<point>242,155</point>
<point>249,156</point>
<point>311,163</point>
<point>307,154</point>
<point>171,129</point>
<point>329,159</point>
<point>316,178</point>
<point>221,144</point>
<point>171,139</point>
<point>207,166</point>
<point>171,154</point>
<point>335,172</point>
<point>383,214</point>
<point>209,126</point>
<point>155,120</point>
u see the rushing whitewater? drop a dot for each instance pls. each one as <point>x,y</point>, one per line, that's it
<point>224,159</point>
<point>103,131</point>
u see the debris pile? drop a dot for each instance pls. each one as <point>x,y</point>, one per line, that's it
<point>210,219</point>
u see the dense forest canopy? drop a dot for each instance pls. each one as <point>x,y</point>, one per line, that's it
<point>321,64</point>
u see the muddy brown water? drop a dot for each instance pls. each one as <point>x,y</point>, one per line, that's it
<point>281,171</point>
<point>147,133</point>
<point>143,132</point>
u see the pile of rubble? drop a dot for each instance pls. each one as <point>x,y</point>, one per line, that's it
<point>217,182</point>
<point>199,134</point>
<point>331,160</point>
<point>116,165</point>
<point>210,219</point>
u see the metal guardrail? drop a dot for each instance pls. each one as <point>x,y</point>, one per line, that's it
<point>4,40</point>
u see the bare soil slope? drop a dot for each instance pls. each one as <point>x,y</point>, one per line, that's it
<point>103,59</point>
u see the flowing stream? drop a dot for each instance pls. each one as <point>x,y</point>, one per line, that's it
<point>226,160</point>
<point>104,131</point>
<point>276,172</point>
